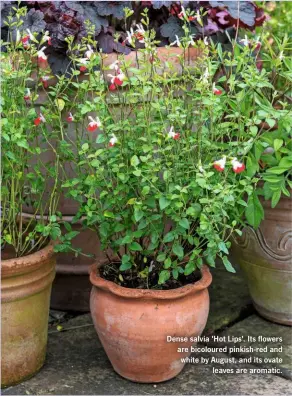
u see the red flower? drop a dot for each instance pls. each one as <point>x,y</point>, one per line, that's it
<point>49,41</point>
<point>112,87</point>
<point>216,91</point>
<point>192,18</point>
<point>93,124</point>
<point>219,165</point>
<point>83,68</point>
<point>42,56</point>
<point>25,41</point>
<point>237,166</point>
<point>70,117</point>
<point>44,81</point>
<point>39,119</point>
<point>27,96</point>
<point>173,135</point>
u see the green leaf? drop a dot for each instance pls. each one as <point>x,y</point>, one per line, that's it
<point>222,247</point>
<point>125,266</point>
<point>278,143</point>
<point>135,160</point>
<point>135,246</point>
<point>254,211</point>
<point>228,264</point>
<point>178,250</point>
<point>101,138</point>
<point>189,268</point>
<point>95,163</point>
<point>163,203</point>
<point>161,257</point>
<point>276,198</point>
<point>251,165</point>
<point>167,263</point>
<point>169,237</point>
<point>109,214</point>
<point>277,170</point>
<point>138,214</point>
<point>270,122</point>
<point>184,223</point>
<point>163,277</point>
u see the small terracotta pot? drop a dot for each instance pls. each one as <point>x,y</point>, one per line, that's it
<point>133,325</point>
<point>25,296</point>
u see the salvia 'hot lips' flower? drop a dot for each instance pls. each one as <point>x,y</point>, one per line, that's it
<point>173,135</point>
<point>216,91</point>
<point>44,80</point>
<point>93,124</point>
<point>219,165</point>
<point>27,95</point>
<point>47,38</point>
<point>89,53</point>
<point>39,119</point>
<point>113,140</point>
<point>70,117</point>
<point>237,166</point>
<point>83,66</point>
<point>116,81</point>
<point>25,41</point>
<point>42,57</point>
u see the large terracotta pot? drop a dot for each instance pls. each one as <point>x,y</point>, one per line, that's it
<point>265,256</point>
<point>133,325</point>
<point>25,297</point>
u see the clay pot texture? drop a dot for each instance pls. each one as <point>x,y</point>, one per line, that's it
<point>25,297</point>
<point>133,325</point>
<point>265,255</point>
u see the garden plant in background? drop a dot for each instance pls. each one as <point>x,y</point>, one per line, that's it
<point>217,19</point>
<point>264,250</point>
<point>28,262</point>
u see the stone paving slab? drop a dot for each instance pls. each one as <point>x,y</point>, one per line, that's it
<point>258,332</point>
<point>77,365</point>
<point>229,299</point>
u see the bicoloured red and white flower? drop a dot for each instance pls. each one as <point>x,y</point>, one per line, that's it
<point>40,119</point>
<point>27,95</point>
<point>237,166</point>
<point>176,41</point>
<point>129,38</point>
<point>94,124</point>
<point>182,14</point>
<point>219,165</point>
<point>113,140</point>
<point>70,117</point>
<point>116,81</point>
<point>46,38</point>
<point>44,80</point>
<point>89,53</point>
<point>42,57</point>
<point>173,135</point>
<point>140,33</point>
<point>83,62</point>
<point>216,91</point>
<point>25,41</point>
<point>257,44</point>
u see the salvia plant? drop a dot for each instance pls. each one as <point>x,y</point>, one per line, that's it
<point>62,19</point>
<point>166,156</point>
<point>164,170</point>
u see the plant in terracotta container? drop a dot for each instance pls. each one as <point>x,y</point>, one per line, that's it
<point>28,262</point>
<point>264,250</point>
<point>161,179</point>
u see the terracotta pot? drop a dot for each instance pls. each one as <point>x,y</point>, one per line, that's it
<point>133,325</point>
<point>25,296</point>
<point>265,256</point>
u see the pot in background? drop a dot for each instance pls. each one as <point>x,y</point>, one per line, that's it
<point>133,325</point>
<point>265,255</point>
<point>25,298</point>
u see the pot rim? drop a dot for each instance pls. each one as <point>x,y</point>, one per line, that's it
<point>125,292</point>
<point>20,265</point>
